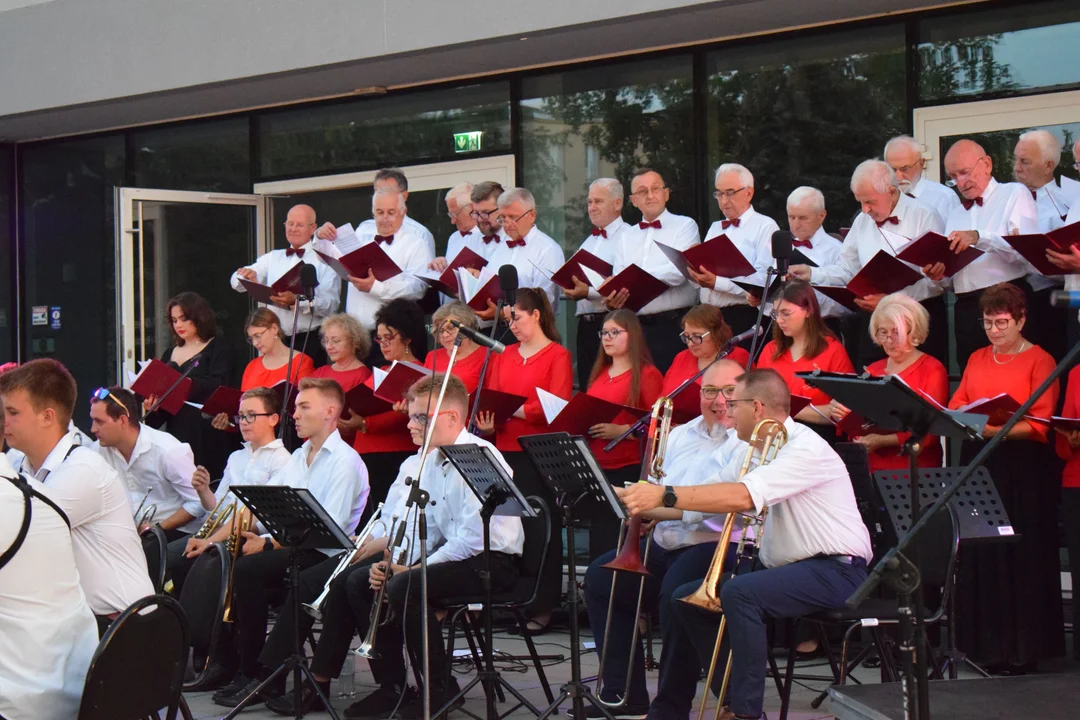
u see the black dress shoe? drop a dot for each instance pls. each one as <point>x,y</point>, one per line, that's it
<point>217,677</point>
<point>309,701</point>
<point>238,683</point>
<point>381,702</point>
<point>271,691</point>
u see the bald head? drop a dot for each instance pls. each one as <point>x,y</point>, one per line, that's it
<point>299,225</point>
<point>970,167</point>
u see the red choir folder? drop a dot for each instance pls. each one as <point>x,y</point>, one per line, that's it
<point>884,274</point>
<point>289,282</point>
<point>1062,424</point>
<point>363,401</point>
<point>841,295</point>
<point>503,404</point>
<point>798,258</point>
<point>998,408</point>
<point>564,276</point>
<point>758,290</point>
<point>447,282</point>
<point>798,402</point>
<point>933,248</point>
<point>490,290</point>
<point>155,379</point>
<point>855,425</point>
<point>223,400</point>
<point>357,263</point>
<point>643,287</point>
<point>288,408</point>
<point>399,378</point>
<point>1033,247</point>
<point>581,412</point>
<point>718,255</point>
<point>844,231</point>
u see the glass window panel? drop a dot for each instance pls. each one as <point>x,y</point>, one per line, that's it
<point>208,156</point>
<point>806,111</point>
<point>8,318</point>
<point>409,128</point>
<point>1022,47</point>
<point>999,146</point>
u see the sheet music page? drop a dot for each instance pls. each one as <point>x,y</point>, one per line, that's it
<point>347,239</point>
<point>467,284</point>
<point>552,404</point>
<point>379,375</point>
<point>594,278</point>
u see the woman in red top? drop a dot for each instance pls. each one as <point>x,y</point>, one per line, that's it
<point>470,356</point>
<point>537,360</point>
<point>1009,613</point>
<point>704,332</point>
<point>899,325</point>
<point>270,368</point>
<point>624,374</point>
<point>803,343</point>
<point>345,342</point>
<point>1068,449</point>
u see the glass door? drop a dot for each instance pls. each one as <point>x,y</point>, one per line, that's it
<point>170,242</point>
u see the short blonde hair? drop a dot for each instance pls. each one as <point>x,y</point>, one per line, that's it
<point>361,341</point>
<point>910,318</point>
<point>455,310</point>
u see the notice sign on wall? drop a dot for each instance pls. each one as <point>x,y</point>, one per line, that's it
<point>39,315</point>
<point>467,141</point>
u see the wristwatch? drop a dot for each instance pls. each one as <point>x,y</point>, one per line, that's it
<point>670,498</point>
<point>268,545</point>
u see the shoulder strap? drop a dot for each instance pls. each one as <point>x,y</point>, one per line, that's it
<point>28,494</point>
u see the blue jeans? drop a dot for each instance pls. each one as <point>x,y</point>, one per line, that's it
<point>801,588</point>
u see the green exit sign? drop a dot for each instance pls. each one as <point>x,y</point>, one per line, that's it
<point>467,141</point>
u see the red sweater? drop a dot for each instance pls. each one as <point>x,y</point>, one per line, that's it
<point>833,359</point>
<point>385,432</point>
<point>348,379</point>
<point>465,369</point>
<point>617,390</point>
<point>549,369</point>
<point>1070,476</point>
<point>928,375</point>
<point>256,374</point>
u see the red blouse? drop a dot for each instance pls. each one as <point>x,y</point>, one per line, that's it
<point>256,374</point>
<point>550,369</point>
<point>617,390</point>
<point>1070,475</point>
<point>384,432</point>
<point>347,379</point>
<point>833,359</point>
<point>928,375</point>
<point>466,369</point>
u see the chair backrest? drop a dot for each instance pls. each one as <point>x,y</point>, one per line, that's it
<point>537,536</point>
<point>139,665</point>
<point>871,508</point>
<point>155,546</point>
<point>203,596</point>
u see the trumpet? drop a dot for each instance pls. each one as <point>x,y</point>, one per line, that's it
<point>241,523</point>
<point>628,558</point>
<point>147,516</point>
<point>215,520</point>
<point>768,438</point>
<point>375,619</point>
<point>314,608</point>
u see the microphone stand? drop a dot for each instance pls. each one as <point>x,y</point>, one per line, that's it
<point>286,418</point>
<point>761,316</point>
<point>471,424</point>
<point>172,387</point>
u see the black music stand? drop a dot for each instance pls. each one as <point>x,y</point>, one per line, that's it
<point>498,495</point>
<point>568,468</point>
<point>297,521</point>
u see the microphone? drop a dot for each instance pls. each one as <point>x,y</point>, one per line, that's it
<point>508,283</point>
<point>745,335</point>
<point>480,338</point>
<point>309,278</point>
<point>781,250</point>
<point>1065,299</point>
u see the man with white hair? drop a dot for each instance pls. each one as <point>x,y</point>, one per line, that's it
<point>526,247</point>
<point>459,209</point>
<point>889,221</point>
<point>1069,261</point>
<point>806,218</point>
<point>903,153</point>
<point>605,206</point>
<point>394,179</point>
<point>750,232</point>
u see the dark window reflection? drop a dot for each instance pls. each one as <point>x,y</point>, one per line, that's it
<point>7,255</point>
<point>207,156</point>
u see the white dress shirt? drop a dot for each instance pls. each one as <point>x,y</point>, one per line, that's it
<point>410,252</point>
<point>943,200</point>
<point>1072,280</point>
<point>1052,206</point>
<point>47,633</point>
<point>812,508</point>
<point>108,552</point>
<point>16,457</point>
<point>336,476</point>
<point>604,248</point>
<point>694,455</point>
<point>753,238</point>
<point>1007,209</point>
<point>824,251</point>
<point>539,249</point>
<point>1071,190</point>
<point>163,464</point>
<point>271,266</point>
<point>638,247</point>
<point>248,467</point>
<point>368,226</point>
<point>474,240</point>
<point>866,238</point>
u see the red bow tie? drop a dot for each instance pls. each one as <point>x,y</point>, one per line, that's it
<point>646,225</point>
<point>1034,194</point>
<point>968,203</point>
<point>910,195</point>
<point>515,243</point>
<point>491,239</point>
<point>796,242</point>
<point>465,234</point>
<point>388,239</point>
<point>290,251</point>
<point>892,220</point>
<point>599,232</point>
<point>725,224</point>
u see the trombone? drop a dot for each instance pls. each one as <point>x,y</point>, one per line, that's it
<point>147,516</point>
<point>241,523</point>
<point>215,520</point>
<point>768,438</point>
<point>628,558</point>
<point>375,619</point>
<point>314,608</point>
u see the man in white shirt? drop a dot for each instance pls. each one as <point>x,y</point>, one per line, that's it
<point>394,179</point>
<point>659,318</point>
<point>459,208</point>
<point>605,204</point>
<point>38,399</point>
<point>1070,262</point>
<point>485,211</point>
<point>535,255</point>
<point>147,460</point>
<point>988,211</point>
<point>806,219</point>
<point>750,232</point>
<point>814,538</point>
<point>904,155</point>
<point>49,634</point>
<point>889,222</point>
<point>683,545</point>
<point>335,475</point>
<point>299,228</point>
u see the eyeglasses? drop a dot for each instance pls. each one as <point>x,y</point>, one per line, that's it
<point>643,193</point>
<point>694,339</point>
<point>444,329</point>
<point>883,335</point>
<point>386,339</point>
<point>961,175</point>
<point>905,169</point>
<point>502,219</point>
<point>102,394</point>
<point>453,215</point>
<point>249,417</point>
<point>728,193</point>
<point>609,334</point>
<point>422,420</point>
<point>732,402</point>
<point>333,341</point>
<point>482,215</point>
<point>256,337</point>
<point>999,323</point>
<point>786,314</point>
<point>709,392</point>
<point>297,225</point>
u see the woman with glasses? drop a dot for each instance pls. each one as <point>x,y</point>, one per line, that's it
<point>624,374</point>
<point>803,343</point>
<point>345,342</point>
<point>704,332</point>
<point>1009,595</point>
<point>468,362</point>
<point>898,326</point>
<point>536,361</point>
<point>271,366</point>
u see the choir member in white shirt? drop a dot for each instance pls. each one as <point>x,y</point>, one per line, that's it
<point>299,229</point>
<point>394,179</point>
<point>988,211</point>
<point>889,222</point>
<point>336,476</point>
<point>814,538</point>
<point>39,399</point>
<point>683,544</point>
<point>750,232</point>
<point>806,218</point>
<point>605,204</point>
<point>459,208</point>
<point>49,634</point>
<point>485,211</point>
<point>147,459</point>
<point>535,255</point>
<point>904,155</point>
<point>650,195</point>
<point>1070,262</point>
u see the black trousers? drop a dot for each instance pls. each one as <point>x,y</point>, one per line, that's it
<point>526,479</point>
<point>587,345</point>
<point>1070,515</point>
<point>282,638</point>
<point>662,336</point>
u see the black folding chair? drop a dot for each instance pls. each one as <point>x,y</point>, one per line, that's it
<point>203,601</point>
<point>155,546</point>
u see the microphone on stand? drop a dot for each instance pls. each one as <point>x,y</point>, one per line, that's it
<point>781,251</point>
<point>508,283</point>
<point>478,337</point>
<point>309,279</point>
<point>754,332</point>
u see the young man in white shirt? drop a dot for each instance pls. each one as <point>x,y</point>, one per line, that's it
<point>394,180</point>
<point>49,634</point>
<point>683,545</point>
<point>39,398</point>
<point>147,460</point>
<point>335,475</point>
<point>299,229</point>
<point>814,539</point>
<point>903,153</point>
